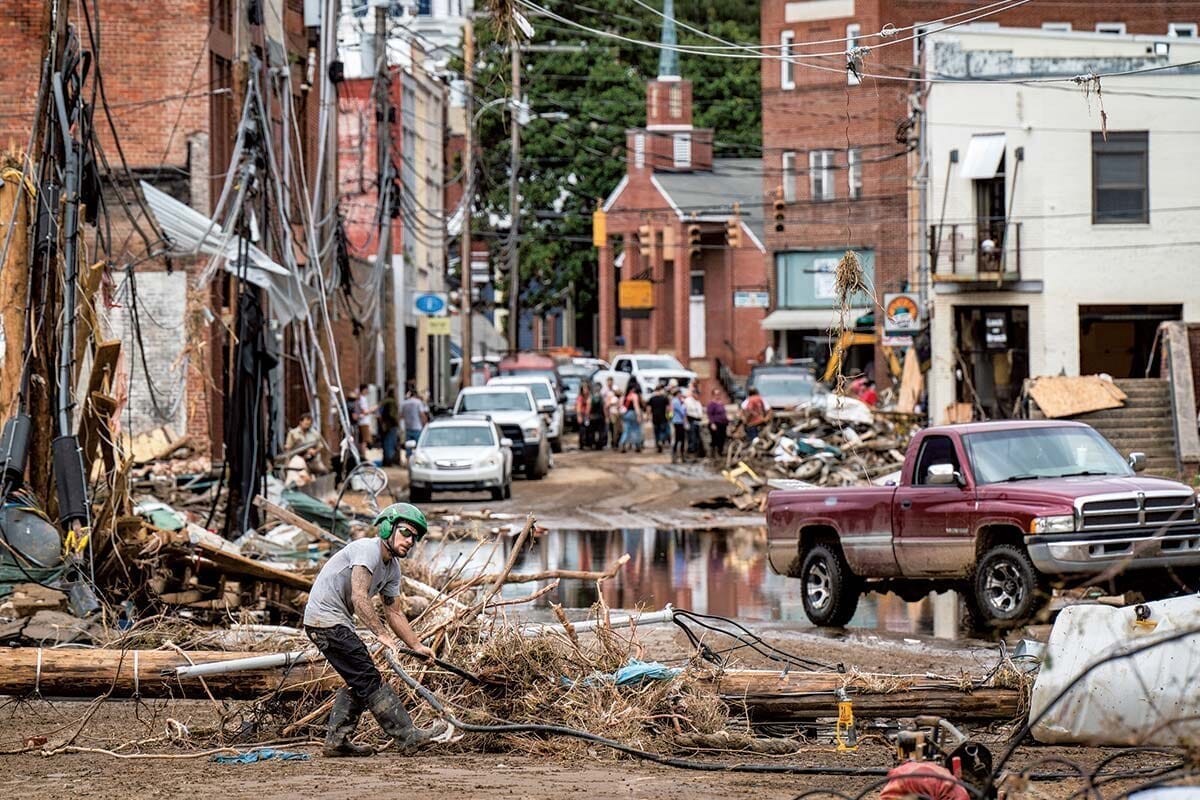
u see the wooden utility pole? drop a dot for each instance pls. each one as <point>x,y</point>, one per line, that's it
<point>14,280</point>
<point>514,202</point>
<point>464,248</point>
<point>383,170</point>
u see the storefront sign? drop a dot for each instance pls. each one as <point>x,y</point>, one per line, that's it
<point>751,300</point>
<point>995,326</point>
<point>437,326</point>
<point>902,314</point>
<point>633,295</point>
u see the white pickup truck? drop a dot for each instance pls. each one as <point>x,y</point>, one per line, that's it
<point>649,369</point>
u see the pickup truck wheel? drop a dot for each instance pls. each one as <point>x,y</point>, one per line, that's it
<point>830,589</point>
<point>1007,590</point>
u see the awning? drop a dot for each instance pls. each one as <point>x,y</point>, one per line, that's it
<point>983,156</point>
<point>811,319</point>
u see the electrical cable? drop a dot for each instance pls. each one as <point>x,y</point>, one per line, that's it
<point>747,638</point>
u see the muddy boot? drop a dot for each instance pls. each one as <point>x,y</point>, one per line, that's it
<point>389,711</point>
<point>343,719</point>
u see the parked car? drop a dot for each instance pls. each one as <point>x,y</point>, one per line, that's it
<point>573,376</point>
<point>468,453</point>
<point>515,411</point>
<point>784,386</point>
<point>999,511</point>
<point>533,364</point>
<point>547,403</point>
<point>649,369</point>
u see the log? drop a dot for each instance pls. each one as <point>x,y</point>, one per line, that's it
<point>280,513</point>
<point>233,564</point>
<point>548,575</point>
<point>768,694</point>
<point>91,673</point>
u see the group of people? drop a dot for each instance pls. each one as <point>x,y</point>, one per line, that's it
<point>611,418</point>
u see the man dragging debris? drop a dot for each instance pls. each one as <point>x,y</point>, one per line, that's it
<point>344,587</point>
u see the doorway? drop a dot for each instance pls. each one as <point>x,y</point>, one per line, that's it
<point>991,358</point>
<point>1119,340</point>
<point>696,326</point>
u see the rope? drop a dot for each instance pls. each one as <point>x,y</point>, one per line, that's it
<point>37,680</point>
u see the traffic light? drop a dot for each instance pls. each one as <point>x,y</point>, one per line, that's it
<point>694,240</point>
<point>733,227</point>
<point>779,209</point>
<point>644,240</point>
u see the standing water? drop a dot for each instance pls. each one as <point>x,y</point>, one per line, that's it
<point>723,573</point>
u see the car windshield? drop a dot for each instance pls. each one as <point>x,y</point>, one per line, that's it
<point>457,436</point>
<point>1026,453</point>
<point>531,373</point>
<point>658,362</point>
<point>494,401</point>
<point>573,382</point>
<point>781,385</point>
<point>541,391</point>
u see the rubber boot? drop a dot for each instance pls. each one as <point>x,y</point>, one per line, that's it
<point>389,711</point>
<point>343,719</point>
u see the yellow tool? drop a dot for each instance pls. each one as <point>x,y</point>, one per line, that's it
<point>847,732</point>
<point>76,541</point>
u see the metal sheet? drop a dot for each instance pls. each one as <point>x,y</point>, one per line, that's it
<point>983,156</point>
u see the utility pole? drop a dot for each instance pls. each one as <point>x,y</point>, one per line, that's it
<point>383,170</point>
<point>466,286</point>
<point>514,211</point>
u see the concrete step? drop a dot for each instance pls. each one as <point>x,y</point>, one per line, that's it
<point>1158,434</point>
<point>1146,412</point>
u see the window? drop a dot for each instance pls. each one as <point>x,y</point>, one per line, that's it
<point>1060,27</point>
<point>1120,178</point>
<point>820,175</point>
<point>854,172</point>
<point>675,100</point>
<point>853,31</point>
<point>1111,27</point>
<point>639,150</point>
<point>1182,29</point>
<point>934,451</point>
<point>787,70</point>
<point>424,8</point>
<point>789,177</point>
<point>683,149</point>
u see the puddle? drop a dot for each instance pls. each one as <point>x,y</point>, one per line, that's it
<point>724,573</point>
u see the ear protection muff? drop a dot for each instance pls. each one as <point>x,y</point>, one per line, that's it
<point>385,528</point>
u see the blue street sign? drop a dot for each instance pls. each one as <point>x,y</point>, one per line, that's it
<point>431,304</point>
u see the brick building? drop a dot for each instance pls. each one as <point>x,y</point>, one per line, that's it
<point>841,148</point>
<point>691,226</point>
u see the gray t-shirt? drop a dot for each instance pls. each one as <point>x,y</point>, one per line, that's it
<point>412,408</point>
<point>329,602</point>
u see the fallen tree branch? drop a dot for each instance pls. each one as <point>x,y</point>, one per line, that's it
<point>527,598</point>
<point>551,574</point>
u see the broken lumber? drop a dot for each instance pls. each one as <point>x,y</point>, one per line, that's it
<point>232,563</point>
<point>282,514</point>
<point>769,694</point>
<point>132,673</point>
<point>548,575</point>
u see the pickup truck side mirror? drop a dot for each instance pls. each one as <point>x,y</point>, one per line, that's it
<point>943,475</point>
<point>1137,461</point>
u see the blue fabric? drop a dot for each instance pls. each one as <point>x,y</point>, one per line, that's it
<point>631,432</point>
<point>634,673</point>
<point>261,754</point>
<point>678,411</point>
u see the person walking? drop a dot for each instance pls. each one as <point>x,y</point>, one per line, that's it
<point>389,427</point>
<point>343,589</point>
<point>612,410</point>
<point>718,422</point>
<point>583,413</point>
<point>695,422</point>
<point>416,415</point>
<point>631,419</point>
<point>660,406</point>
<point>599,420</point>
<point>679,424</point>
<point>754,414</point>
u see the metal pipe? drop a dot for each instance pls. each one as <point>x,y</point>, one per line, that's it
<point>651,618</point>
<point>244,664</point>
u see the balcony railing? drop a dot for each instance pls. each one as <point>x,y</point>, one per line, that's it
<point>965,253</point>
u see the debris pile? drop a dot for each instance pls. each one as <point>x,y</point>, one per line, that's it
<point>835,442</point>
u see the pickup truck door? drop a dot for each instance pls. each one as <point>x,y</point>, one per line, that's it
<point>932,522</point>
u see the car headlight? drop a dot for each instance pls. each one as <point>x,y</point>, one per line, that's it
<point>1063,523</point>
<point>532,432</point>
<point>488,461</point>
<point>421,460</point>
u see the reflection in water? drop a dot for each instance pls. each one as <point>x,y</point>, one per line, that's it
<point>724,573</point>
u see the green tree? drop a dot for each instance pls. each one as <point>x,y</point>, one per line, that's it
<point>600,83</point>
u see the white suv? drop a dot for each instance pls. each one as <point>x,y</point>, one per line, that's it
<point>465,453</point>
<point>515,411</point>
<point>547,402</point>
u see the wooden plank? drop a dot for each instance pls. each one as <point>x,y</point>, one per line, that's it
<point>232,563</point>
<point>14,282</point>
<point>284,515</point>
<point>90,673</point>
<point>89,285</point>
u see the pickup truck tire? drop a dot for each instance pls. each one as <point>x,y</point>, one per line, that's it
<point>830,589</point>
<point>1007,590</point>
<point>539,469</point>
<point>556,444</point>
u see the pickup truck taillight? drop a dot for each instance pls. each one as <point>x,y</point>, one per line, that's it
<point>1063,523</point>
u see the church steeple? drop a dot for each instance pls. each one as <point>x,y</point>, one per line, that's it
<point>668,57</point>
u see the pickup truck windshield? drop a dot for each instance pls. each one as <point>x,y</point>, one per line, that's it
<point>658,362</point>
<point>1027,453</point>
<point>495,401</point>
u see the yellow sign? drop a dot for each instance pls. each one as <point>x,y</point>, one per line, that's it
<point>437,326</point>
<point>635,294</point>
<point>599,229</point>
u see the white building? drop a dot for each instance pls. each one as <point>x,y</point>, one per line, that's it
<point>434,25</point>
<point>1062,219</point>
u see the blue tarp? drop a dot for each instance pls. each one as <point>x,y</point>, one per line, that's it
<point>261,754</point>
<point>634,673</point>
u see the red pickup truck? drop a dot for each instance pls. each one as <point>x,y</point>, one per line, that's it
<point>998,511</point>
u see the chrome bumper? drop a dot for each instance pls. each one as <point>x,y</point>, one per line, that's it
<point>1134,549</point>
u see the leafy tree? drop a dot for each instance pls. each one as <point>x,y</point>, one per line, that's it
<point>600,83</point>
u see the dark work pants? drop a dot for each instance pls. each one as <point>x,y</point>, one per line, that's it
<point>348,656</point>
<point>718,436</point>
<point>680,445</point>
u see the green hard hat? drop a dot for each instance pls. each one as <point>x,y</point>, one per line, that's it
<point>396,512</point>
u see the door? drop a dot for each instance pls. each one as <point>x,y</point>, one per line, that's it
<point>933,523</point>
<point>696,327</point>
